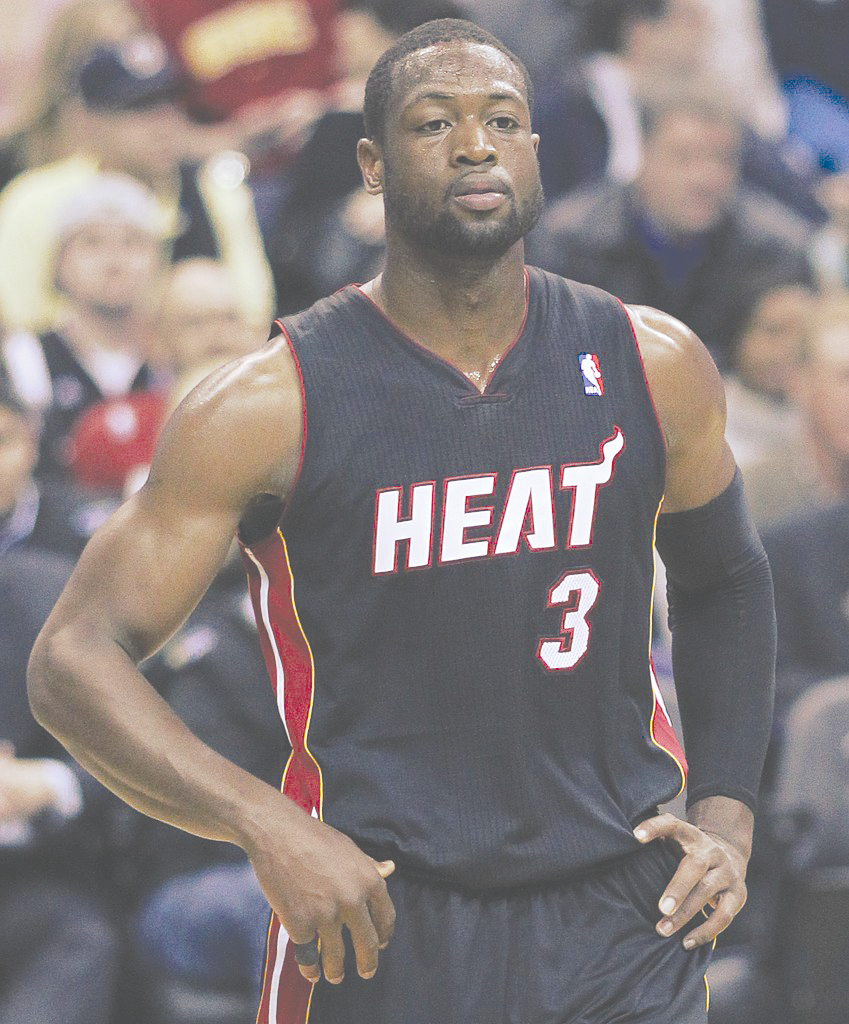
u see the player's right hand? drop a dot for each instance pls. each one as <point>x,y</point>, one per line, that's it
<point>319,883</point>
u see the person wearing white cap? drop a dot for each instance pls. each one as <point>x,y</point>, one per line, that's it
<point>130,123</point>
<point>108,257</point>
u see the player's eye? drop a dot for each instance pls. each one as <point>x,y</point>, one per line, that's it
<point>504,122</point>
<point>435,124</point>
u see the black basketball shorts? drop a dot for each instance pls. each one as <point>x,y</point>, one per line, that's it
<point>585,952</point>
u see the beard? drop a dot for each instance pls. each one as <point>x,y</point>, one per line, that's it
<point>446,233</point>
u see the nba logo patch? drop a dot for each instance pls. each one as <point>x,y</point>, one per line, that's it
<point>591,373</point>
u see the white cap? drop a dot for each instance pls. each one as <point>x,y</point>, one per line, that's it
<point>111,195</point>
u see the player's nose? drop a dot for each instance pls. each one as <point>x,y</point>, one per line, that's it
<point>473,144</point>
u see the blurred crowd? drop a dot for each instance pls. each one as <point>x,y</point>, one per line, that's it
<point>174,174</point>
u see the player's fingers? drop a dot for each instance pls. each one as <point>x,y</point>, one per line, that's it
<point>688,875</point>
<point>703,894</point>
<point>382,910</point>
<point>307,957</point>
<point>332,954</point>
<point>364,940</point>
<point>384,867</point>
<point>665,826</point>
<point>728,906</point>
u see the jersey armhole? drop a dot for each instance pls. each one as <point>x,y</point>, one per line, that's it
<point>633,332</point>
<point>274,523</point>
<point>290,497</point>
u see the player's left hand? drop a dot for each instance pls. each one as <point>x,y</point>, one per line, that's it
<point>711,877</point>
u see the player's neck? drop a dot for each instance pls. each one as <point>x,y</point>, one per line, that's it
<point>466,313</point>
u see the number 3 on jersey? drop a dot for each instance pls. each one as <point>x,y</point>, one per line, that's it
<point>578,592</point>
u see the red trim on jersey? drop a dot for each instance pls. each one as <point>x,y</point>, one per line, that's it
<point>288,658</point>
<point>645,376</point>
<point>660,727</point>
<point>662,733</point>
<point>297,362</point>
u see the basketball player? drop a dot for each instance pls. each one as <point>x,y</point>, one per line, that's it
<point>454,607</point>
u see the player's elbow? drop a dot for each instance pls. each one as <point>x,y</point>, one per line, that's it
<point>47,677</point>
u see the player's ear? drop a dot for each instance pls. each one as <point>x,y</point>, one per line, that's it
<point>370,159</point>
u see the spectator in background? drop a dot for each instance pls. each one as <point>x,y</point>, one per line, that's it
<point>107,258</point>
<point>196,325</point>
<point>685,237</point>
<point>809,556</point>
<point>199,324</point>
<point>236,55</point>
<point>256,71</point>
<point>815,469</point>
<point>762,419</point>
<point>589,117</point>
<point>131,125</point>
<point>830,245</point>
<point>45,124</point>
<point>33,513</point>
<point>58,944</point>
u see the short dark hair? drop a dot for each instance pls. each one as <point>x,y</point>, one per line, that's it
<point>442,30</point>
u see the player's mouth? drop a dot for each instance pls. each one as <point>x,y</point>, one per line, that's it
<point>480,192</point>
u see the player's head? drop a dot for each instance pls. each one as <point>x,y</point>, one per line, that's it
<point>447,114</point>
<point>440,32</point>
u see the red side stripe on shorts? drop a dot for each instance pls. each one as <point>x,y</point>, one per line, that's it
<point>286,993</point>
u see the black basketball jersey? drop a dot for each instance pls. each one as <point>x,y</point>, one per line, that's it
<point>456,608</point>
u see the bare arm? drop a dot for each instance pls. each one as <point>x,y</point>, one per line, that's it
<point>690,402</point>
<point>716,840</point>
<point>234,439</point>
<point>137,581</point>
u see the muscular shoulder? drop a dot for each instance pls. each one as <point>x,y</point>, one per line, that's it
<point>237,435</point>
<point>690,400</point>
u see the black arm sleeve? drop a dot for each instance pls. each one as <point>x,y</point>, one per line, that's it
<point>722,617</point>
